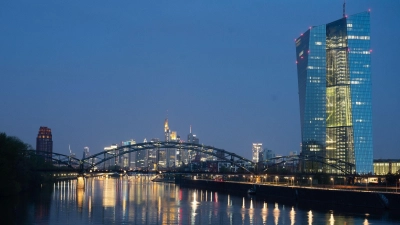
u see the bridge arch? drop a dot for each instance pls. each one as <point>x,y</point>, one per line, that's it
<point>221,154</point>
<point>57,158</point>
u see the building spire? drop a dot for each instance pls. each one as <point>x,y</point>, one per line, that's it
<point>344,8</point>
<point>190,129</point>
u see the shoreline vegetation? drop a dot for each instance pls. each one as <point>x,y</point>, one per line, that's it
<point>20,168</point>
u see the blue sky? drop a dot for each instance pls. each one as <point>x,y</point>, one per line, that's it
<point>102,72</point>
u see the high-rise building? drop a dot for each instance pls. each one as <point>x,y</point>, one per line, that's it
<point>170,154</point>
<point>127,159</point>
<point>257,150</point>
<point>268,156</point>
<point>44,143</point>
<point>192,138</point>
<point>167,132</point>
<point>334,80</point>
<point>153,155</point>
<point>191,154</point>
<point>110,150</point>
<point>141,158</point>
<point>86,152</point>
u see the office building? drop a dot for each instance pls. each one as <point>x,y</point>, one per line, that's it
<point>44,143</point>
<point>167,132</point>
<point>334,81</point>
<point>86,152</point>
<point>268,156</point>
<point>257,150</point>
<point>386,166</point>
<point>191,154</point>
<point>110,151</point>
<point>153,155</point>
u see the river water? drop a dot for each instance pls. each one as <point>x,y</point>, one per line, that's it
<point>136,200</point>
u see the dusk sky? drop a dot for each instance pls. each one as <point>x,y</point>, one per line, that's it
<point>101,72</point>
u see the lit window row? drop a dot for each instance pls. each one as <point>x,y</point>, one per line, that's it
<point>315,67</point>
<point>358,37</point>
<point>360,52</point>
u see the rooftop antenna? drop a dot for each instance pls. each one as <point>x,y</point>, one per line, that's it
<point>69,147</point>
<point>190,128</point>
<point>344,8</point>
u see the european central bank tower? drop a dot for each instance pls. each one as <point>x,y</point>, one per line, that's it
<point>334,78</point>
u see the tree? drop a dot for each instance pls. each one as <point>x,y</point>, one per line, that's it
<point>18,165</point>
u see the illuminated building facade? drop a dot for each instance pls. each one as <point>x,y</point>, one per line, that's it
<point>334,80</point>
<point>110,150</point>
<point>386,166</point>
<point>44,143</point>
<point>167,132</point>
<point>128,160</point>
<point>257,151</point>
<point>170,154</point>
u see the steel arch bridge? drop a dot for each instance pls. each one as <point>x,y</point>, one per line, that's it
<point>89,163</point>
<point>56,158</point>
<point>348,168</point>
<point>221,154</point>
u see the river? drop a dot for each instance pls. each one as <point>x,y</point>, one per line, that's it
<point>136,200</point>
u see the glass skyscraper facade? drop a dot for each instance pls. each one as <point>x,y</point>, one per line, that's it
<point>334,78</point>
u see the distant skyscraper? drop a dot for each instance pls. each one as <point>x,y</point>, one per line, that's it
<point>256,151</point>
<point>170,154</point>
<point>191,138</point>
<point>334,80</point>
<point>128,160</point>
<point>86,152</point>
<point>153,155</point>
<point>268,156</point>
<point>167,132</point>
<point>44,143</point>
<point>110,151</point>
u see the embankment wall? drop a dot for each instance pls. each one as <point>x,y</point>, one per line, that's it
<point>294,194</point>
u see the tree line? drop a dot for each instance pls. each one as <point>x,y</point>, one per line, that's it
<point>19,166</point>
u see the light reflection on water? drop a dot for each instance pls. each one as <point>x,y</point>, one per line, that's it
<point>140,201</point>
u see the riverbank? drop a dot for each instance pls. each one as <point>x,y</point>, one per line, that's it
<point>297,194</point>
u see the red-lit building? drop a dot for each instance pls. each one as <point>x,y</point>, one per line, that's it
<point>44,143</point>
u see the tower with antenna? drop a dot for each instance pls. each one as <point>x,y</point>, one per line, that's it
<point>341,95</point>
<point>344,8</point>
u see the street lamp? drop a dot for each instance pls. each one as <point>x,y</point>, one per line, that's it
<point>276,178</point>
<point>333,184</point>
<point>310,181</point>
<point>293,181</point>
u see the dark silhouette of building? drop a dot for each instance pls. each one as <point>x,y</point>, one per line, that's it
<point>44,143</point>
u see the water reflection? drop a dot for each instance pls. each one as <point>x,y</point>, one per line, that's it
<point>79,198</point>
<point>310,217</point>
<point>264,213</point>
<point>276,213</point>
<point>292,216</point>
<point>331,220</point>
<point>139,201</point>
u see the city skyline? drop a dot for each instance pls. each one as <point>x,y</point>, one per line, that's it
<point>105,73</point>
